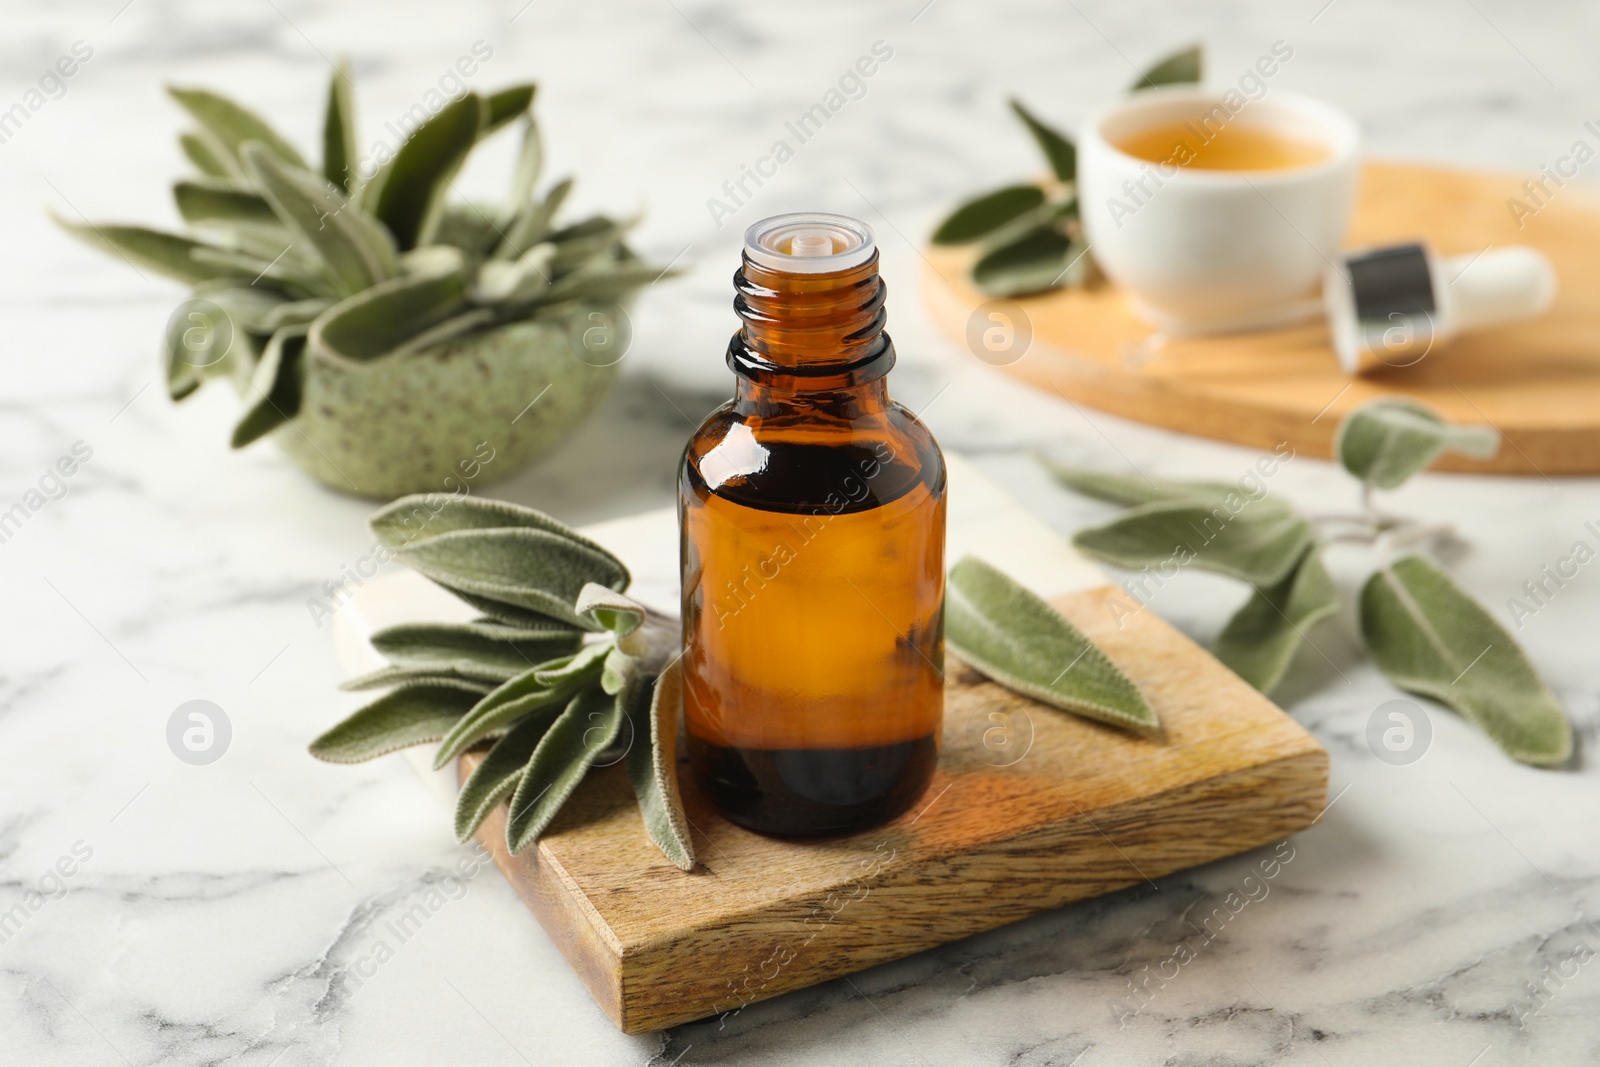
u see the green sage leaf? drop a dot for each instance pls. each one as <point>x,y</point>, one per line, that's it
<point>276,386</point>
<point>611,610</point>
<point>1386,441</point>
<point>1133,488</point>
<point>532,224</point>
<point>340,152</point>
<point>377,322</point>
<point>509,702</point>
<point>983,215</point>
<point>429,514</point>
<point>1259,546</point>
<point>1180,68</point>
<point>357,252</point>
<point>533,569</point>
<point>408,192</point>
<point>1056,146</point>
<point>530,162</point>
<point>580,667</point>
<point>506,106</point>
<point>652,707</point>
<point>413,714</point>
<point>500,772</point>
<point>202,202</point>
<point>1006,632</point>
<point>232,125</point>
<point>164,253</point>
<point>483,678</point>
<point>565,753</point>
<point>1428,636</point>
<point>1260,641</point>
<point>207,158</point>
<point>1040,259</point>
<point>481,646</point>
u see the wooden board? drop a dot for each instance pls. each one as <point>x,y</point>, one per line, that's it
<point>1537,382</point>
<point>1049,810</point>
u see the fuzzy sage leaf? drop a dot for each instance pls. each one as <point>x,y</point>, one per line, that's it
<point>1429,637</point>
<point>497,777</point>
<point>232,125</point>
<point>1261,639</point>
<point>574,741</point>
<point>1260,545</point>
<point>412,714</point>
<point>407,194</point>
<point>1134,488</point>
<point>1007,633</point>
<point>652,706</point>
<point>276,386</point>
<point>1386,441</point>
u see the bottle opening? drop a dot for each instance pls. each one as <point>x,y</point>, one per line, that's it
<point>809,243</point>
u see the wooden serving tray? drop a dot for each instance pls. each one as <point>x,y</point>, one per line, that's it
<point>1537,382</point>
<point>1030,808</point>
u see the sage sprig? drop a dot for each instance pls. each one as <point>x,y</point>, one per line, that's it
<point>357,267</point>
<point>1029,235</point>
<point>560,677</point>
<point>1426,634</point>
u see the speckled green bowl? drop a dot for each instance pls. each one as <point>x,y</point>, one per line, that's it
<point>468,412</point>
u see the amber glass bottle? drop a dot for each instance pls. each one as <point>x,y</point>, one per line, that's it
<point>812,515</point>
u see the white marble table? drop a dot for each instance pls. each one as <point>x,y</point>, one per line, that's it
<point>210,910</point>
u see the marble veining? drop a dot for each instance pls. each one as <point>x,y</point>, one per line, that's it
<point>1440,913</point>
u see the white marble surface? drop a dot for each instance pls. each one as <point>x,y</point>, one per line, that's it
<point>217,905</point>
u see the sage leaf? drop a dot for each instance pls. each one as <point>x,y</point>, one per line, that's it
<point>611,610</point>
<point>532,569</point>
<point>983,215</point>
<point>1180,68</point>
<point>294,313</point>
<point>1134,488</point>
<point>232,125</point>
<point>583,241</point>
<point>532,224</point>
<point>1038,260</point>
<point>1261,639</point>
<point>164,253</point>
<point>478,645</point>
<point>482,678</point>
<point>1057,148</point>
<point>1386,441</point>
<point>565,753</point>
<point>449,330</point>
<point>509,614</point>
<point>505,704</point>
<point>202,202</point>
<point>405,520</point>
<point>339,149</point>
<point>652,706</point>
<point>1007,633</point>
<point>206,157</point>
<point>530,162</point>
<point>1259,546</point>
<point>506,106</point>
<point>412,714</point>
<point>1430,637</point>
<point>248,268</point>
<point>407,194</point>
<point>357,252</point>
<point>276,386</point>
<point>498,775</point>
<point>582,666</point>
<point>377,322</point>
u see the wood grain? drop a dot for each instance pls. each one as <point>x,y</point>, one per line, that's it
<point>1067,809</point>
<point>1537,382</point>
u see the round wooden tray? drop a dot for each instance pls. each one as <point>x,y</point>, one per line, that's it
<point>1537,382</point>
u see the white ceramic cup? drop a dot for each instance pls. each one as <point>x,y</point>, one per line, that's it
<point>1215,251</point>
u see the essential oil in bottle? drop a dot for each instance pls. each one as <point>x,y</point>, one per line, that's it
<point>812,514</point>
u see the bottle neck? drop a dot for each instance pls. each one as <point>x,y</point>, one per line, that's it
<point>817,336</point>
